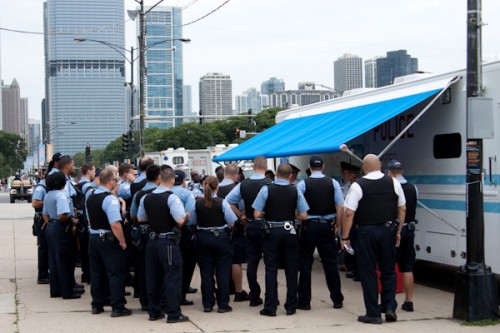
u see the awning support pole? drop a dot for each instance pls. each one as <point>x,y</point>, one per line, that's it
<point>417,118</point>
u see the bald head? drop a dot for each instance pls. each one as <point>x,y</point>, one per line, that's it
<point>371,163</point>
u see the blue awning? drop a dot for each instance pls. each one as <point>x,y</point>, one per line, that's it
<point>304,132</point>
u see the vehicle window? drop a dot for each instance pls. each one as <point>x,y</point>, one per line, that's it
<point>447,145</point>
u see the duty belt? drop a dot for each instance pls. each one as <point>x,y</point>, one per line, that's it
<point>214,230</point>
<point>324,221</point>
<point>144,227</point>
<point>287,225</point>
<point>106,236</point>
<point>164,235</point>
<point>57,220</point>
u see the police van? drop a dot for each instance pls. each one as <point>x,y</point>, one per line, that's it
<point>420,120</point>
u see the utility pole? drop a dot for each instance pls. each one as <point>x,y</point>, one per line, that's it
<point>475,287</point>
<point>142,67</point>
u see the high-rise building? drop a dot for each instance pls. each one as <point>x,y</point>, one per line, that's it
<point>1,84</point>
<point>307,95</point>
<point>163,93</point>
<point>85,81</point>
<point>34,135</point>
<point>216,96</point>
<point>273,84</point>
<point>11,107</point>
<point>371,73</point>
<point>348,73</point>
<point>187,103</point>
<point>395,64</point>
<point>24,120</point>
<point>250,99</point>
<point>45,101</point>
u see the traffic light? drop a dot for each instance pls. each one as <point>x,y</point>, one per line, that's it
<point>88,158</point>
<point>126,142</point>
<point>237,133</point>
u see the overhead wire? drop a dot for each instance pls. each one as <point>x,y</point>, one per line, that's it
<point>208,14</point>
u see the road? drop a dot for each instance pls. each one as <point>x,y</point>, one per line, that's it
<point>25,307</point>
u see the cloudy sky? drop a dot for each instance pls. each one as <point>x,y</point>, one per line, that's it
<point>295,40</point>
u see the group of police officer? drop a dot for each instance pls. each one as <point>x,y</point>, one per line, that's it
<point>162,229</point>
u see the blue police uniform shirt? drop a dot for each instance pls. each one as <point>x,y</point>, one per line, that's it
<point>339,198</point>
<point>402,180</point>
<point>86,184</point>
<point>111,206</point>
<point>40,191</point>
<point>133,207</point>
<point>229,215</point>
<point>124,190</point>
<point>140,178</point>
<point>54,170</point>
<point>234,197</point>
<point>56,203</point>
<point>260,200</point>
<point>174,204</point>
<point>186,196</point>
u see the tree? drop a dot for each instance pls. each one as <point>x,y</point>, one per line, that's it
<point>13,153</point>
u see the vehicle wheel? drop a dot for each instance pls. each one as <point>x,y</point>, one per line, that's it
<point>12,200</point>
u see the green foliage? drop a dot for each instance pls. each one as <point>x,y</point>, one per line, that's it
<point>12,153</point>
<point>189,136</point>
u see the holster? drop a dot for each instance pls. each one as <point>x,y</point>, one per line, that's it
<point>266,229</point>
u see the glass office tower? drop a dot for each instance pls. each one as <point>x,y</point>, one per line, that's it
<point>164,81</point>
<point>85,81</point>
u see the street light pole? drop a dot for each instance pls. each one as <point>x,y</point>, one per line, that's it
<point>132,100</point>
<point>142,66</point>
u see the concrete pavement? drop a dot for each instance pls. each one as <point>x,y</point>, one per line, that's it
<point>26,307</point>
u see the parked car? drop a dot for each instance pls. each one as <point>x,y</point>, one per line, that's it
<point>21,188</point>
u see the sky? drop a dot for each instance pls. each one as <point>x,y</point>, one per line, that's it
<point>293,40</point>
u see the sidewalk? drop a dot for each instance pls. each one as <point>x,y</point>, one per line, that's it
<point>26,307</point>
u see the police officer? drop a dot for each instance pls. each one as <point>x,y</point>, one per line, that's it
<point>40,226</point>
<point>106,248</point>
<point>405,253</point>
<point>278,203</point>
<point>188,235</point>
<point>214,216</point>
<point>349,173</point>
<point>231,173</point>
<point>373,204</point>
<point>295,174</point>
<point>152,176</point>
<point>246,192</point>
<point>128,174</point>
<point>164,213</point>
<point>88,174</point>
<point>325,215</point>
<point>141,180</point>
<point>58,217</point>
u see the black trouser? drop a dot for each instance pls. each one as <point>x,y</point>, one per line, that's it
<point>61,259</point>
<point>215,253</point>
<point>163,277</point>
<point>107,272</point>
<point>376,245</point>
<point>281,244</point>
<point>140,270</point>
<point>350,259</point>
<point>254,247</point>
<point>84,255</point>
<point>188,251</point>
<point>43,251</point>
<point>320,235</point>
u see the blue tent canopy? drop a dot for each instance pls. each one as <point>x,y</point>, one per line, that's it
<point>326,131</point>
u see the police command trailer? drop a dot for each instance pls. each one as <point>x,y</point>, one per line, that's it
<point>420,120</point>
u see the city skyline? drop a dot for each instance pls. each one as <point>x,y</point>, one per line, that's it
<point>228,41</point>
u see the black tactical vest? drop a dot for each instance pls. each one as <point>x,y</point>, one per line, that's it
<point>210,217</point>
<point>411,201</point>
<point>142,193</point>
<point>224,190</point>
<point>320,196</point>
<point>379,203</point>
<point>281,203</point>
<point>159,218</point>
<point>136,187</point>
<point>249,189</point>
<point>97,216</point>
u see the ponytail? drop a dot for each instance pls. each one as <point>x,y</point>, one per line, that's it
<point>211,184</point>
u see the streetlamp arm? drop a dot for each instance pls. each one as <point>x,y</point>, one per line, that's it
<point>115,47</point>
